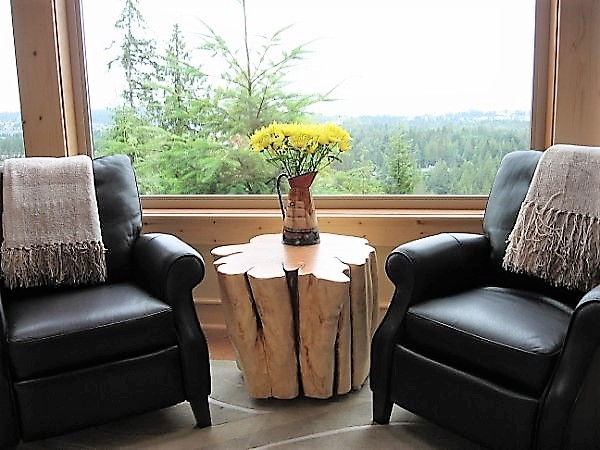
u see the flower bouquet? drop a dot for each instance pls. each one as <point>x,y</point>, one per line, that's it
<point>299,148</point>
<point>300,151</point>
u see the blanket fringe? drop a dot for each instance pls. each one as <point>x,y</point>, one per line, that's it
<point>561,247</point>
<point>54,264</point>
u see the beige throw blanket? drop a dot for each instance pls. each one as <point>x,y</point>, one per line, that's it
<point>50,223</point>
<point>557,232</point>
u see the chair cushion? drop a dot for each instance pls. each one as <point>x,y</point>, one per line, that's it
<point>75,328</point>
<point>506,335</point>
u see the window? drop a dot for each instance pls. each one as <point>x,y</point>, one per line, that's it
<point>11,132</point>
<point>434,93</point>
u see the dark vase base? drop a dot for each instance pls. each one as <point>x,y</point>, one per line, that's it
<point>300,237</point>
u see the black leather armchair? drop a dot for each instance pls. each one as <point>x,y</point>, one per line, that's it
<point>79,356</point>
<point>503,359</point>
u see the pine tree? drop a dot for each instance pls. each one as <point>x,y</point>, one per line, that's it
<point>180,101</point>
<point>255,92</point>
<point>401,166</point>
<point>136,56</point>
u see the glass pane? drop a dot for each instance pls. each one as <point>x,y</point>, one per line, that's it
<point>433,92</point>
<point>11,131</point>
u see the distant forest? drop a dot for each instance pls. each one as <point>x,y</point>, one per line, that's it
<point>449,154</point>
<point>452,154</point>
<point>11,135</point>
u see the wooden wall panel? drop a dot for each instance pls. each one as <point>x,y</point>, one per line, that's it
<point>67,92</point>
<point>378,229</point>
<point>383,232</point>
<point>36,52</point>
<point>577,109</point>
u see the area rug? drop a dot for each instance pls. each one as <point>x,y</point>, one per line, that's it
<point>240,422</point>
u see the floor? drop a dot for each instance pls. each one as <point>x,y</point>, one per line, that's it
<point>240,423</point>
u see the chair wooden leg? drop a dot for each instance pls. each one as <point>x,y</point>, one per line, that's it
<point>201,412</point>
<point>382,408</point>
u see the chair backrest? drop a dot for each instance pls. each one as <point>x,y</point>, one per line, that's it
<point>508,192</point>
<point>119,211</point>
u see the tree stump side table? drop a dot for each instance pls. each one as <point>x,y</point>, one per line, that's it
<point>300,318</point>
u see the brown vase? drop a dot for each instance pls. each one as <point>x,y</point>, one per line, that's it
<point>299,216</point>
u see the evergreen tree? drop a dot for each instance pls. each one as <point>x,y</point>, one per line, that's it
<point>255,92</point>
<point>401,166</point>
<point>137,54</point>
<point>180,102</point>
<point>439,179</point>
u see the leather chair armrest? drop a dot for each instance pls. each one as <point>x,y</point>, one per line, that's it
<point>436,264</point>
<point>571,406</point>
<point>419,270</point>
<point>9,429</point>
<point>166,266</point>
<point>169,269</point>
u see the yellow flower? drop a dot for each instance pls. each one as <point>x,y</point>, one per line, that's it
<point>299,148</point>
<point>260,140</point>
<point>277,140</point>
<point>323,137</point>
<point>299,140</point>
<point>338,135</point>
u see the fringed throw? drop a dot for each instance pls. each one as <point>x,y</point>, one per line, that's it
<point>557,232</point>
<point>51,229</point>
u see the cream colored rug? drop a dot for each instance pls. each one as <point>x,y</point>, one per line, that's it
<point>240,422</point>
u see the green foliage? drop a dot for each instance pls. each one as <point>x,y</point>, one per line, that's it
<point>137,53</point>
<point>254,92</point>
<point>439,178</point>
<point>402,175</point>
<point>11,146</point>
<point>174,103</point>
<point>188,135</point>
<point>456,154</point>
<point>360,179</point>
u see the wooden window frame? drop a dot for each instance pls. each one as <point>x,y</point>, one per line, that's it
<point>51,75</point>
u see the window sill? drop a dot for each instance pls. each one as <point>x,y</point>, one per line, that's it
<point>384,221</point>
<point>333,202</point>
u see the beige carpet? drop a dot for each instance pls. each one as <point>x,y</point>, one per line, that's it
<point>242,423</point>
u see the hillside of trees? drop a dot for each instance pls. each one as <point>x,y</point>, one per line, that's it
<point>451,154</point>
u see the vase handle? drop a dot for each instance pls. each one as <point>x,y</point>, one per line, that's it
<point>281,175</point>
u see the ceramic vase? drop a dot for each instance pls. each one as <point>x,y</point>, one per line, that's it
<point>299,215</point>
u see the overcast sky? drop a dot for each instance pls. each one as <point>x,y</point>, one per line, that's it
<point>388,56</point>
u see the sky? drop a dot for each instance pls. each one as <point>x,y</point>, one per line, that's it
<point>395,57</point>
<point>9,89</point>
